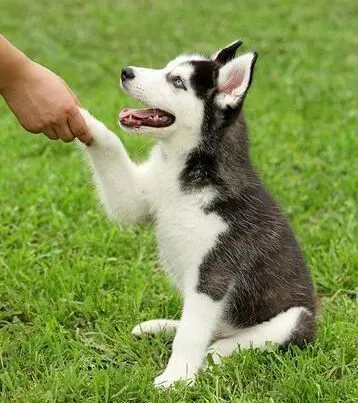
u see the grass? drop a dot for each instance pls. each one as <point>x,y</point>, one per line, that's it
<point>72,285</point>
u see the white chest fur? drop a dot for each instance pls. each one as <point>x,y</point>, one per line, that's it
<point>185,233</point>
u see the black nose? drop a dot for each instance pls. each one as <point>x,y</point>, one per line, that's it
<point>127,73</point>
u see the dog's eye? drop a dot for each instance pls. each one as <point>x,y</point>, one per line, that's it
<point>178,83</point>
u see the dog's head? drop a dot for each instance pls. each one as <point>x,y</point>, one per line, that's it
<point>182,94</point>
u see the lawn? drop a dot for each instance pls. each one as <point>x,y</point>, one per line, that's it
<point>72,285</point>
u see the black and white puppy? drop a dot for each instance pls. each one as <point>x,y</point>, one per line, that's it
<point>220,235</point>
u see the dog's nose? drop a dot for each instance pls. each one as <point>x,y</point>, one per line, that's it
<point>127,73</point>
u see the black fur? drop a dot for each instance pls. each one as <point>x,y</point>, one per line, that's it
<point>204,77</point>
<point>304,332</point>
<point>228,53</point>
<point>256,264</point>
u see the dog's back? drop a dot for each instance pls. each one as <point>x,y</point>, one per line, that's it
<point>257,261</point>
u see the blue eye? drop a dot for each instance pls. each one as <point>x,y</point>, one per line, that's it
<point>178,82</point>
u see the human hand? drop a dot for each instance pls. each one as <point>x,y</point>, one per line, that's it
<point>43,103</point>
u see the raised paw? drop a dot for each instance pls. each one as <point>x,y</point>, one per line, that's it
<point>101,135</point>
<point>92,123</point>
<point>155,326</point>
<point>86,116</point>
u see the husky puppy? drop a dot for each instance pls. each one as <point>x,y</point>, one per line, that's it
<point>221,237</point>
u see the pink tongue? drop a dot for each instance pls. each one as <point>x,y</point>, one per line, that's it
<point>141,113</point>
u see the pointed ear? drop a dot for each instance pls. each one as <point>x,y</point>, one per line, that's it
<point>228,53</point>
<point>234,80</point>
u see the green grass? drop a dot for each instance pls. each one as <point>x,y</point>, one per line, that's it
<point>72,286</point>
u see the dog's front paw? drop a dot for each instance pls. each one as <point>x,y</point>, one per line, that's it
<point>179,369</point>
<point>92,123</point>
<point>86,116</point>
<point>101,135</point>
<point>168,378</point>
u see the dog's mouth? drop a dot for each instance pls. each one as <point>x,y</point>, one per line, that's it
<point>151,117</point>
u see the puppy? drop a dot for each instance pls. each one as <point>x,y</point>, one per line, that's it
<point>221,236</point>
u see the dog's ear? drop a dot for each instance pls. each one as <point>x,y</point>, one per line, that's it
<point>234,79</point>
<point>228,53</point>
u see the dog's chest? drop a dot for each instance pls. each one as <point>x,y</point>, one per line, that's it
<point>185,232</point>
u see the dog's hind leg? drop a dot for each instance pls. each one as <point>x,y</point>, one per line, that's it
<point>119,181</point>
<point>155,326</point>
<point>281,330</point>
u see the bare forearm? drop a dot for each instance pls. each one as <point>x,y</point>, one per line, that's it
<point>12,60</point>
